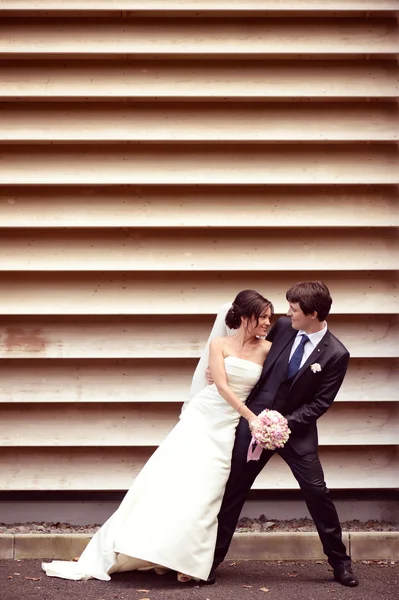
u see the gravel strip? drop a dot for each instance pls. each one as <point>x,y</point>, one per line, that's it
<point>264,524</point>
<point>244,525</point>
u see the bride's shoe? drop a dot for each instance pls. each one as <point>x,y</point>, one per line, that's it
<point>184,578</point>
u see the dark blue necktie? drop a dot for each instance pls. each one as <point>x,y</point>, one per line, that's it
<point>296,358</point>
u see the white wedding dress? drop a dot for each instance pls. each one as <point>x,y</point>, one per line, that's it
<point>168,518</point>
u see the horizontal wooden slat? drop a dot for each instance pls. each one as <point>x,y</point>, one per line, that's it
<point>104,380</point>
<point>371,380</point>
<point>188,206</point>
<point>114,469</point>
<point>198,250</point>
<point>201,164</point>
<point>37,426</point>
<point>183,36</point>
<point>350,424</point>
<point>167,381</point>
<point>166,337</point>
<point>203,79</point>
<point>211,5</point>
<point>185,293</point>
<point>191,122</point>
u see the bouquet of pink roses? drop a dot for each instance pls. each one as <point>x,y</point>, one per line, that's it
<point>269,431</point>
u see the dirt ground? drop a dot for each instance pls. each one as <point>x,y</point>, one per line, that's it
<point>244,580</point>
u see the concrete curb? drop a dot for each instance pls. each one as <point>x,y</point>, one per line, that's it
<point>376,545</point>
<point>278,546</point>
<point>7,545</point>
<point>50,546</point>
<point>381,545</point>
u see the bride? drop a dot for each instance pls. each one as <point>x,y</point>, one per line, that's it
<point>168,518</point>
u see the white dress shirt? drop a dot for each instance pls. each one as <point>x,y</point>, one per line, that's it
<point>314,339</point>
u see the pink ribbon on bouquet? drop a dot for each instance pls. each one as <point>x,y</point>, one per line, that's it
<point>254,450</point>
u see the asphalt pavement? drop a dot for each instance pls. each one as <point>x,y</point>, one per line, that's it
<point>244,580</point>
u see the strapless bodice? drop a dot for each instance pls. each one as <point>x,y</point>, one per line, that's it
<point>242,375</point>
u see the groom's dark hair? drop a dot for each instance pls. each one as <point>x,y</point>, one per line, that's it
<point>312,296</point>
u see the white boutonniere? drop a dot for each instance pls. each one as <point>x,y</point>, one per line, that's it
<point>316,368</point>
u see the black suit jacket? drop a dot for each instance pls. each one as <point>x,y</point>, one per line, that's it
<point>309,395</point>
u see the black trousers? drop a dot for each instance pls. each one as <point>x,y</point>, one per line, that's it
<point>308,472</point>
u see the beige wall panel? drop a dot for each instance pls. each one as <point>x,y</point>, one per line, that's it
<point>346,424</point>
<point>104,380</point>
<point>199,250</point>
<point>192,122</point>
<point>114,469</point>
<point>201,164</point>
<point>184,293</point>
<point>160,380</point>
<point>371,380</point>
<point>99,337</point>
<point>218,35</point>
<point>350,424</point>
<point>376,336</point>
<point>184,206</point>
<point>270,5</point>
<point>133,337</point>
<point>201,79</point>
<point>298,156</point>
<point>229,5</point>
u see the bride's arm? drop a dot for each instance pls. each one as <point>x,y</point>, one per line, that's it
<point>216,365</point>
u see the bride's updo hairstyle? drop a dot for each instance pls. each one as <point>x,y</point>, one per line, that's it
<point>248,303</point>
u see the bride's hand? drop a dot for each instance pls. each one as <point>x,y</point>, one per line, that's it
<point>251,421</point>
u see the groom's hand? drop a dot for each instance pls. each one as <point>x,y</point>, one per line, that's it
<point>208,376</point>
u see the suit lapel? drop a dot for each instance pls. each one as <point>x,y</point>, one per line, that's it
<point>277,348</point>
<point>314,356</point>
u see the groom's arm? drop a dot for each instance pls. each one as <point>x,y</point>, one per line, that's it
<point>324,397</point>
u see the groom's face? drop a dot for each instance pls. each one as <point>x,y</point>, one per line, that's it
<point>298,318</point>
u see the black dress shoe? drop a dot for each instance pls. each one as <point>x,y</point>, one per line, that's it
<point>346,576</point>
<point>211,579</point>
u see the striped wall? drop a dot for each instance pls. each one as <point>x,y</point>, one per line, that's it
<point>155,158</point>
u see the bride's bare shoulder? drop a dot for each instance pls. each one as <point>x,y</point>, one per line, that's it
<point>219,342</point>
<point>266,345</point>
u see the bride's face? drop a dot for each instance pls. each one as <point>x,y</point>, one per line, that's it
<point>259,327</point>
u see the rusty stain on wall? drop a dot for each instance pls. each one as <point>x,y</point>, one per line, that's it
<point>18,339</point>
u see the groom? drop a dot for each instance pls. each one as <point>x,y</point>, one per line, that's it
<point>301,377</point>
